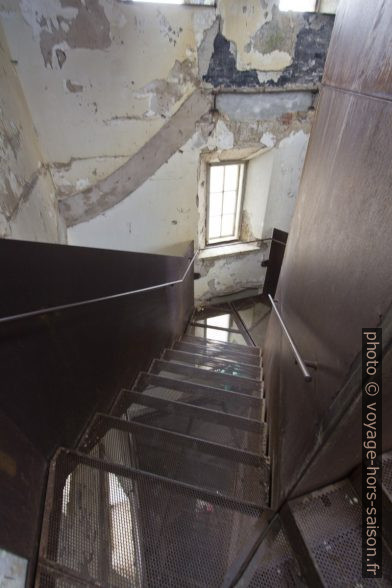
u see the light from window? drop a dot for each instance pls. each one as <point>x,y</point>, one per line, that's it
<point>297,5</point>
<point>161,1</point>
<point>222,321</point>
<point>225,188</point>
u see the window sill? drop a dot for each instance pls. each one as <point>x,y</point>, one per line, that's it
<point>227,249</point>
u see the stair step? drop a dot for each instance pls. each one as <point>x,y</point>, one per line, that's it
<point>209,363</point>
<point>167,413</point>
<point>273,563</point>
<point>221,344</point>
<point>164,397</point>
<point>204,396</point>
<point>326,528</point>
<point>110,525</point>
<point>214,353</point>
<point>229,472</point>
<point>216,379</point>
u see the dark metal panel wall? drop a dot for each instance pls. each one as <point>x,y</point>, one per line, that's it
<point>275,259</point>
<point>22,477</point>
<point>58,369</point>
<point>342,448</point>
<point>359,56</point>
<point>336,276</point>
<point>38,275</point>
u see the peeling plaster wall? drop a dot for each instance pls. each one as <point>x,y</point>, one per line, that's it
<point>162,212</point>
<point>169,207</point>
<point>260,47</point>
<point>28,207</point>
<point>227,275</point>
<point>122,97</point>
<point>101,77</point>
<point>105,75</point>
<point>288,162</point>
<point>258,190</point>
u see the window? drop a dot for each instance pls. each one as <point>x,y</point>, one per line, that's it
<point>191,2</point>
<point>161,1</point>
<point>224,202</point>
<point>297,5</point>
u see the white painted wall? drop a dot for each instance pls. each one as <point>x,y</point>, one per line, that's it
<point>127,68</point>
<point>162,212</point>
<point>227,275</point>
<point>289,158</point>
<point>258,182</point>
<point>28,205</point>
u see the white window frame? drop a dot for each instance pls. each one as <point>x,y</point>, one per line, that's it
<point>239,204</point>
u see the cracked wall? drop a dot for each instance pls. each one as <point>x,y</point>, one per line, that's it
<point>102,76</point>
<point>260,47</point>
<point>127,100</point>
<point>168,207</point>
<point>28,205</point>
<point>228,275</point>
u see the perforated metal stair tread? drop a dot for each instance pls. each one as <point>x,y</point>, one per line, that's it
<point>226,366</point>
<point>274,563</point>
<point>195,421</point>
<point>215,378</point>
<point>329,522</point>
<point>215,468</point>
<point>167,381</point>
<point>166,490</point>
<point>102,423</point>
<point>162,400</point>
<point>204,397</point>
<point>221,344</point>
<point>116,527</point>
<point>218,353</point>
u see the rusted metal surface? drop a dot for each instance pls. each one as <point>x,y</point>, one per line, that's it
<point>359,56</point>
<point>58,369</point>
<point>335,276</point>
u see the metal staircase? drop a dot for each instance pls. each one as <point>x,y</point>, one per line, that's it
<point>172,489</point>
<point>166,489</point>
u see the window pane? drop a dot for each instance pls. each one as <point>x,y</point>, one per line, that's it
<point>217,335</point>
<point>216,178</point>
<point>214,227</point>
<point>216,204</point>
<point>297,5</point>
<point>228,225</point>
<point>229,202</point>
<point>222,321</point>
<point>231,177</point>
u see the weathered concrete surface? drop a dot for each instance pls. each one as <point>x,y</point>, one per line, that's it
<point>128,88</point>
<point>28,206</point>
<point>261,47</point>
<point>107,75</point>
<point>103,75</point>
<point>120,184</point>
<point>87,28</point>
<point>169,207</point>
<point>265,107</point>
<point>228,275</point>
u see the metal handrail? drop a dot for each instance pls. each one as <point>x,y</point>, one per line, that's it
<point>300,361</point>
<point>50,309</point>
